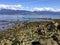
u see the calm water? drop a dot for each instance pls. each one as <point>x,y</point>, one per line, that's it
<point>22,17</point>
<point>6,25</point>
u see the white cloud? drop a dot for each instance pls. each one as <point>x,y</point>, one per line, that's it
<point>13,7</point>
<point>20,7</point>
<point>46,9</point>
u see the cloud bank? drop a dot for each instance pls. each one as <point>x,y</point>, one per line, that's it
<point>46,9</point>
<point>20,7</point>
<point>12,7</point>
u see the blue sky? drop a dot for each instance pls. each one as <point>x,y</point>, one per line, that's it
<point>29,4</point>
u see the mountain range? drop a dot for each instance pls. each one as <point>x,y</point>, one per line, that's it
<point>25,12</point>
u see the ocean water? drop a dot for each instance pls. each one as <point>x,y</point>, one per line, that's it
<point>22,17</point>
<point>6,25</point>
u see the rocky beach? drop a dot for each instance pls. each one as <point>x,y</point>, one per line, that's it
<point>32,33</point>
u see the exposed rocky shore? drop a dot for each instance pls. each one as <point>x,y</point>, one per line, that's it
<point>32,33</point>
